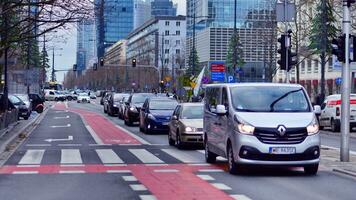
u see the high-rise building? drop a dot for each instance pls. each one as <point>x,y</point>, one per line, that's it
<point>163,8</point>
<point>114,20</point>
<point>142,12</point>
<point>86,48</point>
<point>214,26</point>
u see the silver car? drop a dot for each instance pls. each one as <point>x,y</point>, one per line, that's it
<point>261,124</point>
<point>186,125</point>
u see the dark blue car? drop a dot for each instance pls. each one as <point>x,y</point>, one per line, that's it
<point>156,113</point>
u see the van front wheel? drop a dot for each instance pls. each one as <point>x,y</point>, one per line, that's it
<point>231,160</point>
<point>209,156</point>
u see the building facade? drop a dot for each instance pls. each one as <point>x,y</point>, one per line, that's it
<point>159,43</point>
<point>86,51</point>
<point>142,12</point>
<point>214,22</point>
<point>163,8</point>
<point>114,20</point>
<point>116,54</point>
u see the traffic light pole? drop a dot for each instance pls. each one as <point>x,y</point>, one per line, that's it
<point>346,83</point>
<point>287,43</point>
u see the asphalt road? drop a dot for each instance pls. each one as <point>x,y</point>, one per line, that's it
<point>102,158</point>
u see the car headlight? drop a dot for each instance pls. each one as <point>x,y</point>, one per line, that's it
<point>132,109</point>
<point>245,129</point>
<point>190,129</point>
<point>313,127</point>
<point>115,105</point>
<point>151,117</point>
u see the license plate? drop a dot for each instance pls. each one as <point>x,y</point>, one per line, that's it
<point>282,150</point>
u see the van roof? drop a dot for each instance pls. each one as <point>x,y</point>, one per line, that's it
<point>253,84</point>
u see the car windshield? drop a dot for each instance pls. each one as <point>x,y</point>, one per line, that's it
<point>163,105</point>
<point>192,112</point>
<point>23,97</point>
<point>119,97</point>
<point>269,99</point>
<point>141,98</point>
<point>15,100</point>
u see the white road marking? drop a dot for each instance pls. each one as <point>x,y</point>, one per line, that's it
<point>71,156</point>
<point>129,178</point>
<point>108,156</point>
<point>185,157</point>
<point>206,177</point>
<point>64,126</point>
<point>69,145</point>
<point>94,135</point>
<point>115,165</point>
<point>66,104</point>
<point>70,138</point>
<point>24,166</point>
<point>166,170</point>
<point>66,117</point>
<point>71,172</point>
<point>118,171</point>
<point>138,187</point>
<point>210,170</point>
<point>147,197</point>
<point>25,172</point>
<point>32,157</point>
<point>66,165</point>
<point>133,135</point>
<point>145,156</point>
<point>156,165</point>
<point>338,149</point>
<point>38,145</point>
<point>240,197</point>
<point>221,186</point>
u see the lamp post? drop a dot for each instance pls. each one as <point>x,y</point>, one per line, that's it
<point>53,78</point>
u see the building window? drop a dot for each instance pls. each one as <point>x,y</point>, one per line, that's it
<point>177,51</point>
<point>166,32</point>
<point>309,66</point>
<point>166,41</point>
<point>177,32</point>
<point>316,66</point>
<point>177,23</point>
<point>123,9</point>
<point>167,23</point>
<point>166,51</point>
<point>166,61</point>
<point>177,42</point>
<point>330,66</point>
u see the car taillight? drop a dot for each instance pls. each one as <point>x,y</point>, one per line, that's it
<point>337,111</point>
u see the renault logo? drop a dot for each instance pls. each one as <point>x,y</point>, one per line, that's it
<point>281,130</point>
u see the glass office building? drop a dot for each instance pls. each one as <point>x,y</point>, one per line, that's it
<point>114,21</point>
<point>163,8</point>
<point>256,26</point>
<point>86,51</point>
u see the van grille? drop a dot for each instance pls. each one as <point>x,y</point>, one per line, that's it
<point>271,136</point>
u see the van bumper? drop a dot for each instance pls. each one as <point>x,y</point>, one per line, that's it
<point>249,150</point>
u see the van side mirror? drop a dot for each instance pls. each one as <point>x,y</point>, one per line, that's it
<point>221,110</point>
<point>174,117</point>
<point>317,109</point>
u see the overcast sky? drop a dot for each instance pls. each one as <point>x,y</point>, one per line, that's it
<point>65,58</point>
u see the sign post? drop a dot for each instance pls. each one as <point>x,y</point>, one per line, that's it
<point>217,71</point>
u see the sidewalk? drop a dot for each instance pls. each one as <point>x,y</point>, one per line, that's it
<point>330,158</point>
<point>329,132</point>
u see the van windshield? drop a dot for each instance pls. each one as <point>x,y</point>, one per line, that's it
<point>269,99</point>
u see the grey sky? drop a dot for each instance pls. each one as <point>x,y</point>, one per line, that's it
<point>64,59</point>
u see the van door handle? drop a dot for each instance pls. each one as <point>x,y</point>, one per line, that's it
<point>218,124</point>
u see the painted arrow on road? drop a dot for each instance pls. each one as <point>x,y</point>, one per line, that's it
<point>65,126</point>
<point>66,117</point>
<point>70,138</point>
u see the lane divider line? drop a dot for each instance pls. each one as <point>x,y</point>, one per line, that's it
<point>133,135</point>
<point>221,186</point>
<point>129,178</point>
<point>240,197</point>
<point>147,197</point>
<point>93,134</point>
<point>138,187</point>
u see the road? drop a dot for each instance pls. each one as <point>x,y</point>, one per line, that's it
<point>78,152</point>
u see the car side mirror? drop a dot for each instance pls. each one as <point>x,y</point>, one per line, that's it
<point>317,109</point>
<point>221,110</point>
<point>174,117</point>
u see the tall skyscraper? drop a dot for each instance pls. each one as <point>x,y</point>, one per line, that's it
<point>214,26</point>
<point>86,48</point>
<point>114,20</point>
<point>142,12</point>
<point>163,8</point>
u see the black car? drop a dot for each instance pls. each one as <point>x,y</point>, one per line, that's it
<point>103,94</point>
<point>156,113</point>
<point>24,112</point>
<point>37,102</point>
<point>105,100</point>
<point>133,106</point>
<point>114,103</point>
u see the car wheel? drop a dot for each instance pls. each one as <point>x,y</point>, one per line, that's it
<point>334,127</point>
<point>209,156</point>
<point>170,140</point>
<point>233,167</point>
<point>179,143</point>
<point>69,98</point>
<point>311,169</point>
<point>147,130</point>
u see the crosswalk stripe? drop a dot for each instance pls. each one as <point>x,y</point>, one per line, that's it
<point>183,156</point>
<point>108,156</point>
<point>145,156</point>
<point>71,156</point>
<point>32,157</point>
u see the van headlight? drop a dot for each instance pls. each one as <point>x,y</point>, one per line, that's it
<point>313,128</point>
<point>245,129</point>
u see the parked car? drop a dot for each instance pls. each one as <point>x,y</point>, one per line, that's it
<point>133,106</point>
<point>24,112</point>
<point>331,112</point>
<point>53,95</point>
<point>37,102</point>
<point>106,101</point>
<point>26,99</point>
<point>122,104</point>
<point>70,96</point>
<point>261,124</point>
<point>114,103</point>
<point>104,93</point>
<point>156,113</point>
<point>186,125</point>
<point>92,95</point>
<point>83,98</point>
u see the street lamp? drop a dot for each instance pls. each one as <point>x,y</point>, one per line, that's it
<point>53,79</point>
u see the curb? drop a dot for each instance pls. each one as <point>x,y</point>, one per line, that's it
<point>336,134</point>
<point>8,129</point>
<point>345,172</point>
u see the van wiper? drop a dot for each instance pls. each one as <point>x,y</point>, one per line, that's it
<point>246,110</point>
<point>282,97</point>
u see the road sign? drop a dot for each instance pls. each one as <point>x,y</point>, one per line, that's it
<point>282,15</point>
<point>217,71</point>
<point>230,79</point>
<point>338,81</point>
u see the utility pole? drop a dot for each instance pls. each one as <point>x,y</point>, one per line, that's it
<point>28,48</point>
<point>345,91</point>
<point>193,51</point>
<point>162,60</point>
<point>53,70</point>
<point>235,35</point>
<point>286,31</point>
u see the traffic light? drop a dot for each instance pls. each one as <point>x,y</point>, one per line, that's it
<point>282,52</point>
<point>338,46</point>
<point>95,66</point>
<point>349,2</point>
<point>292,59</point>
<point>101,62</point>
<point>75,67</point>
<point>134,62</point>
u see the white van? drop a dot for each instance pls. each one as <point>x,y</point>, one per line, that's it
<point>261,124</point>
<point>331,112</point>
